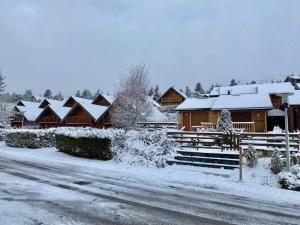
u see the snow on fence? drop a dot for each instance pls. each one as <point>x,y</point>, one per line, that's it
<point>264,142</point>
<point>151,126</point>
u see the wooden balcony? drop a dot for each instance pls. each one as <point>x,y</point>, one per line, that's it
<point>49,119</point>
<point>78,120</point>
<point>243,126</point>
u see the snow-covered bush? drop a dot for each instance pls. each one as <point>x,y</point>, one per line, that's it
<point>290,180</point>
<point>29,138</point>
<point>224,123</point>
<point>251,157</point>
<point>295,159</point>
<point>143,148</point>
<point>2,132</point>
<point>151,149</point>
<point>276,162</point>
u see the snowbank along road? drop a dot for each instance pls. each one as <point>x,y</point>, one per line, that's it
<point>52,193</point>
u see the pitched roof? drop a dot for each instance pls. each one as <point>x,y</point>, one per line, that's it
<point>96,111</point>
<point>82,100</point>
<point>173,88</point>
<point>30,113</point>
<point>197,103</point>
<point>60,111</point>
<point>28,103</point>
<point>52,102</point>
<point>109,98</point>
<point>267,88</point>
<point>245,101</point>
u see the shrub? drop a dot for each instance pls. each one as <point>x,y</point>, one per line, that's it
<point>2,132</point>
<point>276,162</point>
<point>151,149</point>
<point>290,180</point>
<point>224,123</point>
<point>251,157</point>
<point>26,138</point>
<point>86,147</point>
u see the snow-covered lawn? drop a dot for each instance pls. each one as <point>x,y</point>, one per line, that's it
<point>258,183</point>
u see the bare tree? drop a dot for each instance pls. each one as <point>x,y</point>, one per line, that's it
<point>131,103</point>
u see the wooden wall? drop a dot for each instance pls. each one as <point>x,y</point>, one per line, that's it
<point>171,97</point>
<point>188,119</point>
<point>101,101</point>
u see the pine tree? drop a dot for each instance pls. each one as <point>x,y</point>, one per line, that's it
<point>233,82</point>
<point>78,94</point>
<point>151,92</point>
<point>253,82</point>
<point>188,91</point>
<point>251,157</point>
<point>156,93</point>
<point>28,96</point>
<point>98,92</point>
<point>224,123</point>
<point>276,162</point>
<point>199,89</point>
<point>48,94</point>
<point>2,83</point>
<point>58,97</point>
<point>86,94</point>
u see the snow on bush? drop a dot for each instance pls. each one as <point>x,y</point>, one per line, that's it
<point>251,157</point>
<point>224,123</point>
<point>29,138</point>
<point>290,180</point>
<point>151,149</point>
<point>143,148</point>
<point>2,132</point>
<point>276,162</point>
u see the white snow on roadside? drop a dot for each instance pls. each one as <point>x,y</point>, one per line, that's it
<point>258,183</point>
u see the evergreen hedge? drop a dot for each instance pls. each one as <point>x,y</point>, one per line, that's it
<point>21,138</point>
<point>85,147</point>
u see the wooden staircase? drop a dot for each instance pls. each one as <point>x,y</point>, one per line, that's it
<point>207,159</point>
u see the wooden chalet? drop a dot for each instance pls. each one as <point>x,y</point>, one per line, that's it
<point>25,114</point>
<point>254,108</point>
<point>52,115</point>
<point>171,97</point>
<point>87,115</point>
<point>104,100</point>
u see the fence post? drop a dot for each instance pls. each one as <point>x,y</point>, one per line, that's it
<point>241,152</point>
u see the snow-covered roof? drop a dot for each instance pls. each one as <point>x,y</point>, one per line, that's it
<point>82,100</point>
<point>267,88</point>
<point>197,103</point>
<point>53,102</point>
<point>155,103</point>
<point>295,99</point>
<point>245,101</point>
<point>29,104</point>
<point>59,110</point>
<point>30,113</point>
<point>175,89</point>
<point>96,111</point>
<point>109,98</point>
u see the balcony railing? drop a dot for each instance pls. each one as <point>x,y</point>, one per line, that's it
<point>78,120</point>
<point>49,119</point>
<point>244,126</point>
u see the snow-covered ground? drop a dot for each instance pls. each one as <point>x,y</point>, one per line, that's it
<point>258,183</point>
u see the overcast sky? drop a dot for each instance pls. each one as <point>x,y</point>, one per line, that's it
<point>75,44</point>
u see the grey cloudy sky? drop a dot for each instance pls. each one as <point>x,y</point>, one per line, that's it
<point>74,44</point>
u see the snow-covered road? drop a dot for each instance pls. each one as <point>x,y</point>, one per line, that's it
<point>46,192</point>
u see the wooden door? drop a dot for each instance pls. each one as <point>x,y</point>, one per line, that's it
<point>186,121</point>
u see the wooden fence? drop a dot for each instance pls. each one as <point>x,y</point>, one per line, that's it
<point>151,126</point>
<point>215,140</point>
